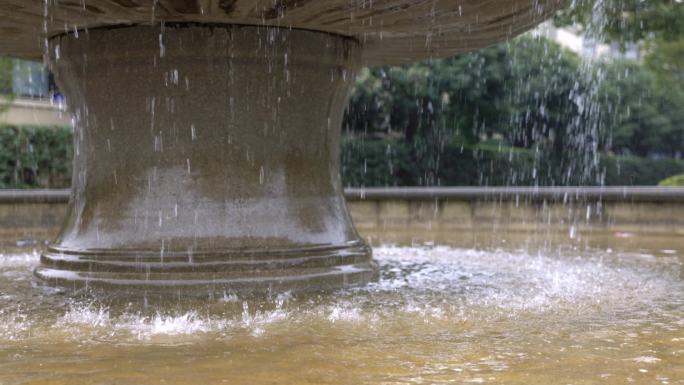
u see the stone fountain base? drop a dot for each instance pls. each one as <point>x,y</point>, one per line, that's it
<point>209,273</point>
<point>206,159</point>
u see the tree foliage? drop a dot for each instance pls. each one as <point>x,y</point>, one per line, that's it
<point>35,156</point>
<point>673,181</point>
<point>626,21</point>
<point>6,65</point>
<point>642,117</point>
<point>529,94</point>
<point>6,96</point>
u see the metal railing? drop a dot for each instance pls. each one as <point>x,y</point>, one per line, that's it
<point>613,193</point>
<point>35,196</point>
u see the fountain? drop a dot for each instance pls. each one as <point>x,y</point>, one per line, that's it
<point>207,132</point>
<point>206,137</point>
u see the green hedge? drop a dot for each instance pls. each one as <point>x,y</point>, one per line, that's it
<point>626,171</point>
<point>35,156</point>
<point>673,181</point>
<point>41,157</point>
<point>379,163</point>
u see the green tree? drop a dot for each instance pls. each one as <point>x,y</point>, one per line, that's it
<point>641,116</point>
<point>526,83</point>
<point>626,21</point>
<point>6,96</point>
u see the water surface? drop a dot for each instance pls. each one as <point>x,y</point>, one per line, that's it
<point>438,314</point>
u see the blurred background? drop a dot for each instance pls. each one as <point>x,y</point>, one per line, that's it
<point>593,97</point>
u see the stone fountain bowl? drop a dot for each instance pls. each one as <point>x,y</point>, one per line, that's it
<point>206,146</point>
<point>390,31</point>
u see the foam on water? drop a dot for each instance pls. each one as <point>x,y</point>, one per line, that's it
<point>515,281</point>
<point>417,284</point>
<point>9,261</point>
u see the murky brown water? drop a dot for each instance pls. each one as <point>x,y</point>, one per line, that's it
<point>609,310</point>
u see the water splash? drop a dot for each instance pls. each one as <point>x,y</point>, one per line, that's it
<point>428,283</point>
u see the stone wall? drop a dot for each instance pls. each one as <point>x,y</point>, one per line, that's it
<point>28,223</point>
<point>34,217</point>
<point>643,217</point>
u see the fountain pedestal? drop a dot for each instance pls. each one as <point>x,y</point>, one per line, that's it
<point>206,160</point>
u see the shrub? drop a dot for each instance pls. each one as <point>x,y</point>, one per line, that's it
<point>673,181</point>
<point>35,156</point>
<point>386,163</point>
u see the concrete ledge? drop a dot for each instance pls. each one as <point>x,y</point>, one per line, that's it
<point>566,194</point>
<point>34,196</point>
<point>24,111</point>
<point>616,193</point>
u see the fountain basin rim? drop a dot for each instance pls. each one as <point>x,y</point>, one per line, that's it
<point>334,278</point>
<point>249,252</point>
<point>47,274</point>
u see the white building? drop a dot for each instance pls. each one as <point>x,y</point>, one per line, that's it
<point>34,102</point>
<point>586,47</point>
